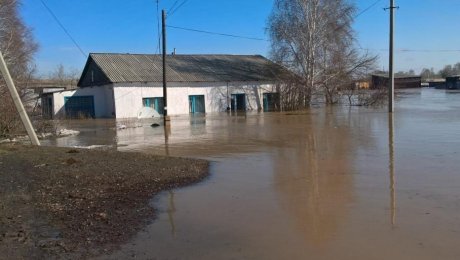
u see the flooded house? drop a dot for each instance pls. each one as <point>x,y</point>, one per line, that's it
<point>125,85</point>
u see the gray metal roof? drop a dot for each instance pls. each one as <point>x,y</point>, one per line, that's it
<point>183,68</point>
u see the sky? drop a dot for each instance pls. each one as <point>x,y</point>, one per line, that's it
<point>424,29</point>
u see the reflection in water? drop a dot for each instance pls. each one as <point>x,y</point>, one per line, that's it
<point>392,167</point>
<point>167,131</point>
<point>314,178</point>
<point>171,210</point>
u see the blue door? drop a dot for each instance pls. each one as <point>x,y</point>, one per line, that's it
<point>196,104</point>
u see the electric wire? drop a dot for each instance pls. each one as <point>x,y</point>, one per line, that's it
<point>246,37</point>
<point>357,15</point>
<point>177,8</point>
<point>63,28</point>
<point>367,8</point>
<point>414,50</point>
<point>217,33</point>
<point>172,6</point>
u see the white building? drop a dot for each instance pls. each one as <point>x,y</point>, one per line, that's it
<point>124,85</point>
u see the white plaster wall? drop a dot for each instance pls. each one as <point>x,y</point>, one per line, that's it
<point>128,96</point>
<point>102,106</point>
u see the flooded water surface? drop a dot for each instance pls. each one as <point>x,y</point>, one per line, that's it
<point>328,183</point>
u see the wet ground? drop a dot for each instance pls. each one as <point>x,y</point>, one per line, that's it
<point>65,203</point>
<point>339,183</point>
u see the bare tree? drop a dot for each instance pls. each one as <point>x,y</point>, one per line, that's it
<point>428,73</point>
<point>18,47</point>
<point>64,78</point>
<point>315,39</point>
<point>450,70</point>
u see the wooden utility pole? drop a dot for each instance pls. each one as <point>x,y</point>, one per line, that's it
<point>165,92</point>
<point>17,102</point>
<point>391,150</point>
<point>391,90</point>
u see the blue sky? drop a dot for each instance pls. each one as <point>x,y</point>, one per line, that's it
<point>131,27</point>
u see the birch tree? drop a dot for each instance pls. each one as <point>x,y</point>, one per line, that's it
<point>18,48</point>
<point>315,39</point>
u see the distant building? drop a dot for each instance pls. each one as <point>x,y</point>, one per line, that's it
<point>124,85</point>
<point>382,81</point>
<point>362,84</point>
<point>435,83</point>
<point>453,82</point>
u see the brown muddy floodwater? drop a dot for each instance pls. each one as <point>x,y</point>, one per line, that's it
<point>340,183</point>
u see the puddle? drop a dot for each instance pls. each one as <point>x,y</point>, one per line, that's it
<point>329,183</point>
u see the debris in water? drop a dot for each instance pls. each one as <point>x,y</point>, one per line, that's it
<point>67,132</point>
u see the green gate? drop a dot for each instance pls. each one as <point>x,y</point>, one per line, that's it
<point>79,107</point>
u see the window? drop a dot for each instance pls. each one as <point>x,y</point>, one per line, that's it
<point>155,103</point>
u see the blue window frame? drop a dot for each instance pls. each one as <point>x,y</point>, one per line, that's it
<point>155,103</point>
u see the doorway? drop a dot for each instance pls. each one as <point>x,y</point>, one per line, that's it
<point>196,104</point>
<point>271,102</point>
<point>238,102</point>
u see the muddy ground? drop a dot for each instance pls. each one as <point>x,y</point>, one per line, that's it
<point>71,203</point>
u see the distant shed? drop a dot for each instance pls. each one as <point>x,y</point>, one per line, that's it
<point>453,82</point>
<point>435,83</point>
<point>381,81</point>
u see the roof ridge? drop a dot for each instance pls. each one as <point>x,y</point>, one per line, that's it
<point>184,54</point>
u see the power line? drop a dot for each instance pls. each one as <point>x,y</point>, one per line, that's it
<point>217,33</point>
<point>440,50</point>
<point>172,6</point>
<point>414,50</point>
<point>177,8</point>
<point>63,28</point>
<point>367,8</point>
<point>172,11</point>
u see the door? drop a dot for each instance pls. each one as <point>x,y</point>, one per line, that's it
<point>196,104</point>
<point>238,102</point>
<point>47,106</point>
